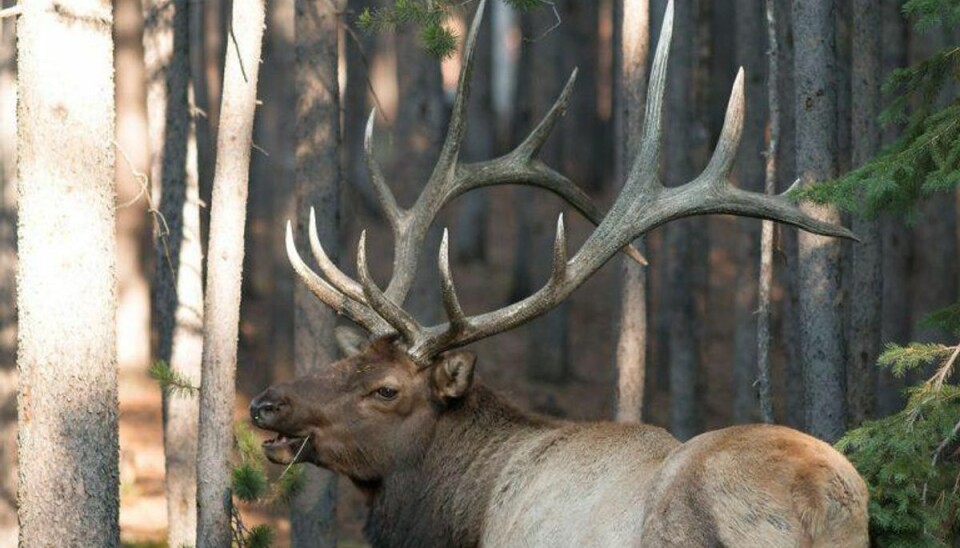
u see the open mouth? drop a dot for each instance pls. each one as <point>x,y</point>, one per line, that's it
<point>282,441</point>
<point>286,449</point>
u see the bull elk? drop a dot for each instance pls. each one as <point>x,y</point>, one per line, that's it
<point>444,461</point>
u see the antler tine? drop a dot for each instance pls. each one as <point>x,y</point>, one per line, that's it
<point>451,304</point>
<point>391,312</point>
<point>334,275</point>
<point>646,167</point>
<point>384,195</point>
<point>357,312</point>
<point>559,253</point>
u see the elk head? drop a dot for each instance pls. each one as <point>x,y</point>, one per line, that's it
<point>360,415</point>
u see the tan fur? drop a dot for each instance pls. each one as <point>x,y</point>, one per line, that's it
<point>449,464</point>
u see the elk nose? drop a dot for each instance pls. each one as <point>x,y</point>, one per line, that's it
<point>263,407</point>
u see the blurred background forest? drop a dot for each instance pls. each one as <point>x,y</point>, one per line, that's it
<point>702,278</point>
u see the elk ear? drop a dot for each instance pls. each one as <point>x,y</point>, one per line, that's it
<point>350,341</point>
<point>453,374</point>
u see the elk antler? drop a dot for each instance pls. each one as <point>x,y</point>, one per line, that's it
<point>643,205</point>
<point>449,179</point>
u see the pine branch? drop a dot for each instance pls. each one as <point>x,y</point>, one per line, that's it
<point>172,382</point>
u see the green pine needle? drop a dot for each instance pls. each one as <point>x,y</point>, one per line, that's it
<point>172,382</point>
<point>249,482</point>
<point>901,359</point>
<point>260,536</point>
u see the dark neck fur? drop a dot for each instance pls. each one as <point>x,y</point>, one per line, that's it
<point>441,499</point>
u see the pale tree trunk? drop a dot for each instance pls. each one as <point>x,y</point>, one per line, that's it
<point>681,243</point>
<point>418,134</point>
<point>821,300</point>
<point>542,73</point>
<point>867,259</point>
<point>222,304</point>
<point>178,284</point>
<point>470,236</point>
<point>8,272</point>
<point>765,284</point>
<point>67,299</point>
<point>895,323</point>
<point>632,51</point>
<point>751,48</point>
<point>313,518</point>
<point>133,236</point>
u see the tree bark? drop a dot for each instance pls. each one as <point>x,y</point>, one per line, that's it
<point>222,304</point>
<point>580,140</point>
<point>765,283</point>
<point>867,259</point>
<point>750,49</point>
<point>682,242</point>
<point>67,300</point>
<point>8,272</point>
<point>318,174</point>
<point>178,283</point>
<point>631,53</point>
<point>895,323</point>
<point>821,299</point>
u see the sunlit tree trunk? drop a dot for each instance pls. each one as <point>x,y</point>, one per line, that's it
<point>68,479</point>
<point>867,259</point>
<point>632,38</point>
<point>222,304</point>
<point>177,285</point>
<point>8,271</point>
<point>318,175</point>
<point>821,300</point>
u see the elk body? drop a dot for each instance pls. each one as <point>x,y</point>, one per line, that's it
<point>444,461</point>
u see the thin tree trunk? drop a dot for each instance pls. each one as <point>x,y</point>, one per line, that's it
<point>867,259</point>
<point>821,324</point>
<point>750,174</point>
<point>766,237</point>
<point>895,323</point>
<point>631,53</point>
<point>470,236</point>
<point>68,488</point>
<point>419,133</point>
<point>313,518</point>
<point>178,283</point>
<point>8,272</point>
<point>222,304</point>
<point>580,140</point>
<point>679,244</point>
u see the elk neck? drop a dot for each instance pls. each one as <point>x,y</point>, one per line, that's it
<point>440,499</point>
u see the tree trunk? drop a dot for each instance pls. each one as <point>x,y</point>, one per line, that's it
<point>895,323</point>
<point>765,284</point>
<point>683,241</point>
<point>580,137</point>
<point>222,304</point>
<point>68,489</point>
<point>867,259</point>
<point>419,131</point>
<point>178,283</point>
<point>8,272</point>
<point>821,300</point>
<point>631,53</point>
<point>750,175</point>
<point>470,236</point>
<point>313,518</point>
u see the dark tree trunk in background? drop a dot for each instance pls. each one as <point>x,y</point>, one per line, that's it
<point>632,47</point>
<point>750,44</point>
<point>68,492</point>
<point>418,135</point>
<point>470,235</point>
<point>934,268</point>
<point>821,324</point>
<point>867,259</point>
<point>361,49</point>
<point>8,272</point>
<point>178,284</point>
<point>222,304</point>
<point>318,174</point>
<point>683,244</point>
<point>897,240</point>
<point>580,138</point>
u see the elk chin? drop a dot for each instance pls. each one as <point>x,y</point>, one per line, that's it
<point>286,450</point>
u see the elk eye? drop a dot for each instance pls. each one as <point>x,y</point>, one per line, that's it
<point>386,393</point>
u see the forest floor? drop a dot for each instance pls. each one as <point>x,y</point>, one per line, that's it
<point>588,395</point>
